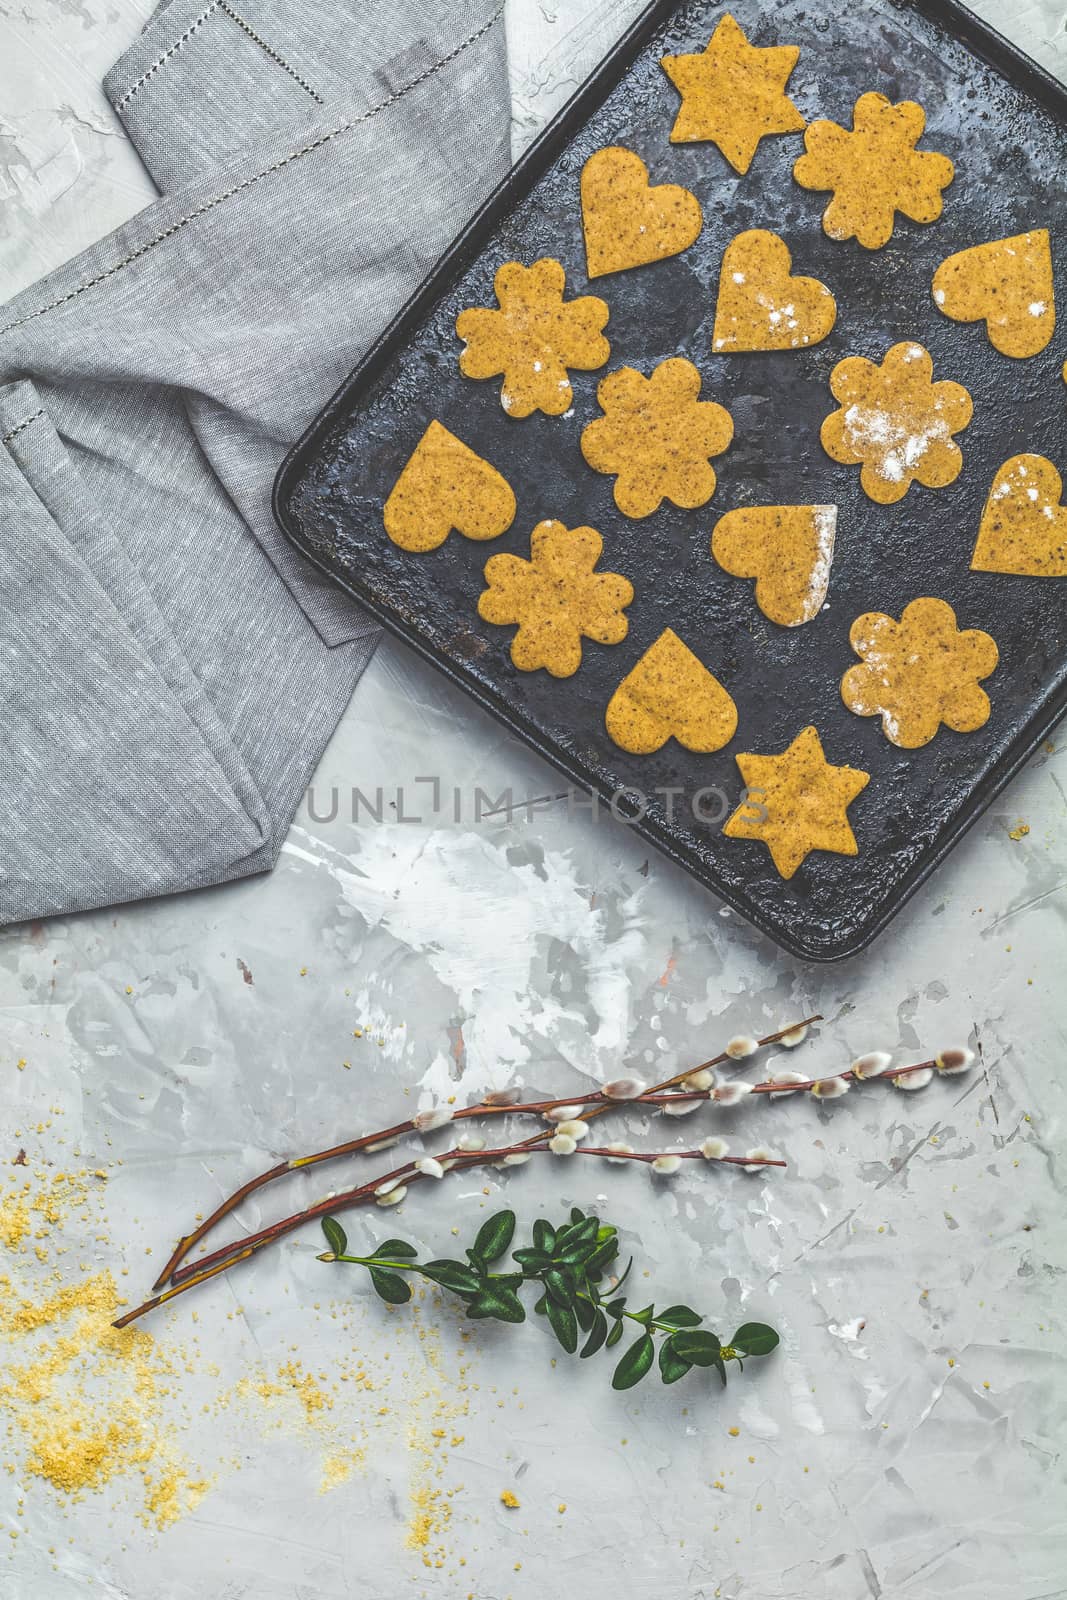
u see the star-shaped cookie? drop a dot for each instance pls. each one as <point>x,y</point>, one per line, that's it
<point>796,803</point>
<point>733,93</point>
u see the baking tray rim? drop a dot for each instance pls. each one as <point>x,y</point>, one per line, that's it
<point>982,40</point>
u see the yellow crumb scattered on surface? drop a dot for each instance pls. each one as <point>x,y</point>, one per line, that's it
<point>84,1405</point>
<point>1019,832</point>
<point>507,1498</point>
<point>733,1432</point>
<point>337,1468</point>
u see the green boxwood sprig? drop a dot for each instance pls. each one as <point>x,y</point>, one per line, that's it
<point>579,1298</point>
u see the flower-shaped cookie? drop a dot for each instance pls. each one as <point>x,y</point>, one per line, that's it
<point>874,170</point>
<point>733,93</point>
<point>533,338</point>
<point>796,803</point>
<point>556,598</point>
<point>657,436</point>
<point>896,421</point>
<point>919,672</point>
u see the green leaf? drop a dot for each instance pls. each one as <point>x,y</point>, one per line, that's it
<point>495,1236</point>
<point>564,1325</point>
<point>542,1305</point>
<point>503,1304</point>
<point>544,1235</point>
<point>576,1253</point>
<point>576,1244</point>
<point>336,1237</point>
<point>585,1312</point>
<point>616,1307</point>
<point>645,1315</point>
<point>560,1287</point>
<point>679,1317</point>
<point>395,1250</point>
<point>626,1273</point>
<point>635,1363</point>
<point>602,1253</point>
<point>390,1286</point>
<point>454,1276</point>
<point>505,1280</point>
<point>597,1335</point>
<point>533,1262</point>
<point>672,1366</point>
<point>614,1336</point>
<point>576,1215</point>
<point>699,1348</point>
<point>754,1339</point>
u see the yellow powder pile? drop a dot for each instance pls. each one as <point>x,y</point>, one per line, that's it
<point>81,1403</point>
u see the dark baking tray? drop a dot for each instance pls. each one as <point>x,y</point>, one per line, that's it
<point>1003,121</point>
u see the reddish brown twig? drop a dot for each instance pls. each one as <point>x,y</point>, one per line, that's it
<point>370,1141</point>
<point>229,1255</point>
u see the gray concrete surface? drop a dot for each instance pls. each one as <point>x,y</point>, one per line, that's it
<point>280,1434</point>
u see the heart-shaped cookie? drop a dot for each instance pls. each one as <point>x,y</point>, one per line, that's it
<point>1023,531</point>
<point>761,306</point>
<point>629,222</point>
<point>1006,283</point>
<point>446,485</point>
<point>787,549</point>
<point>670,692</point>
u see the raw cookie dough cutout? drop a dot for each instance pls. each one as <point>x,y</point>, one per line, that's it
<point>797,803</point>
<point>897,422</point>
<point>446,485</point>
<point>761,306</point>
<point>919,672</point>
<point>670,694</point>
<point>657,437</point>
<point>733,93</point>
<point>1007,284</point>
<point>533,338</point>
<point>787,549</point>
<point>874,170</point>
<point>556,598</point>
<point>1023,531</point>
<point>627,221</point>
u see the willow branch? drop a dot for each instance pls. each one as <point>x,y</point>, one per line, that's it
<point>400,1178</point>
<point>369,1142</point>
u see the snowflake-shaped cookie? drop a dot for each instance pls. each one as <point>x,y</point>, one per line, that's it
<point>533,338</point>
<point>897,421</point>
<point>556,598</point>
<point>657,436</point>
<point>919,672</point>
<point>874,170</point>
